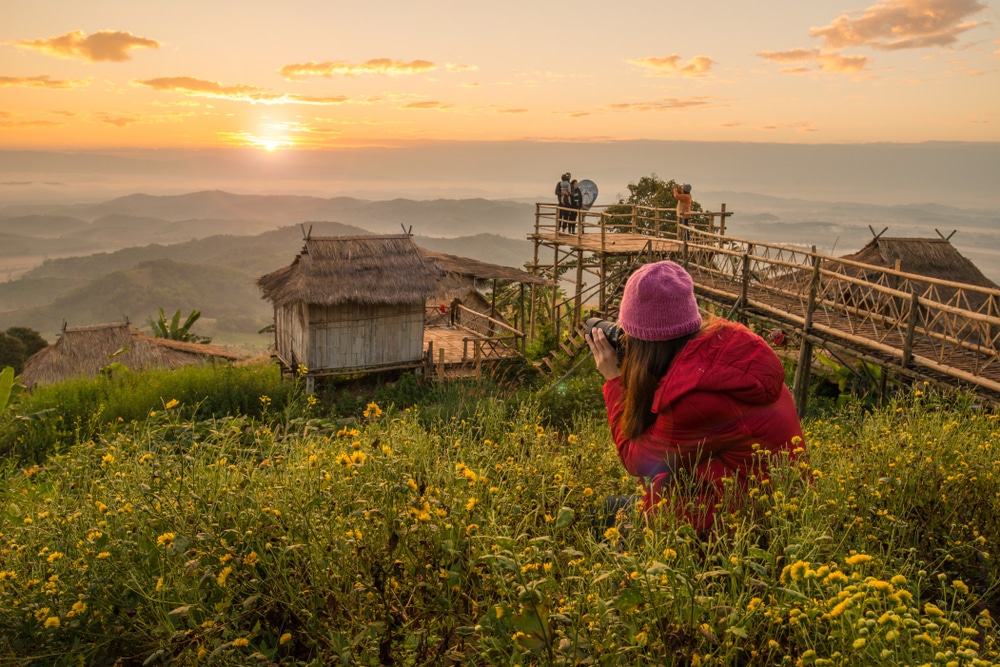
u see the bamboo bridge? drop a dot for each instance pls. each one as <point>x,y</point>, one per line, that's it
<point>918,327</point>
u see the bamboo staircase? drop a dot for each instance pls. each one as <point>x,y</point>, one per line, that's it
<point>570,346</point>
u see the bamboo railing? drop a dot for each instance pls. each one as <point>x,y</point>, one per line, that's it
<point>908,321</point>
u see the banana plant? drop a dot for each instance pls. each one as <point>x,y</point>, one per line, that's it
<point>174,330</point>
<point>10,387</point>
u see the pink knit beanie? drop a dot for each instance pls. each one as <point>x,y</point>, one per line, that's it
<point>659,303</point>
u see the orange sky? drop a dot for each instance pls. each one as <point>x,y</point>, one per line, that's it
<point>319,74</point>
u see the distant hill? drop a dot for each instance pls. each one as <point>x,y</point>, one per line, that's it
<point>216,275</point>
<point>225,295</point>
<point>439,217</point>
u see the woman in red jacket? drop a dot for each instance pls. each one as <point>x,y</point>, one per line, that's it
<point>692,396</point>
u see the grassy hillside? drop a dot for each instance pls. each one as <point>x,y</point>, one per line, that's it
<point>465,530</point>
<point>226,295</point>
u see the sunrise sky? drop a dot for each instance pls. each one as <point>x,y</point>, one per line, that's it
<point>316,74</point>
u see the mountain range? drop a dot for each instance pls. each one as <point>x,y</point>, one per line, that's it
<point>96,262</point>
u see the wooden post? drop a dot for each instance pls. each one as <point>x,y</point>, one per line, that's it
<point>800,389</point>
<point>603,226</point>
<point>604,283</point>
<point>520,301</point>
<point>911,326</point>
<point>310,384</point>
<point>635,216</point>
<point>440,368</point>
<point>579,287</point>
<point>722,222</point>
<point>745,286</point>
<point>684,251</point>
<point>657,215</point>
<point>555,290</point>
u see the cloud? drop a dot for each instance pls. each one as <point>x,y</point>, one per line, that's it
<point>698,66</point>
<point>110,45</point>
<point>827,62</point>
<point>428,104</point>
<point>892,25</point>
<point>190,85</point>
<point>384,66</point>
<point>42,82</point>
<point>461,68</point>
<point>31,123</point>
<point>118,120</point>
<point>799,126</point>
<point>669,104</point>
<point>511,111</point>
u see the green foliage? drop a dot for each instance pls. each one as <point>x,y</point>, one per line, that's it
<point>32,340</point>
<point>653,192</point>
<point>10,388</point>
<point>54,417</point>
<point>174,330</point>
<point>17,344</point>
<point>572,398</point>
<point>12,352</point>
<point>650,192</point>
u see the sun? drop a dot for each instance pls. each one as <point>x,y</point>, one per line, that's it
<point>270,146</point>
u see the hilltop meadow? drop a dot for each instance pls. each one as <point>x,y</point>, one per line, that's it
<point>221,516</point>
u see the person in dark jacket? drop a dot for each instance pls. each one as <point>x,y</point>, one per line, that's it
<point>576,203</point>
<point>689,395</point>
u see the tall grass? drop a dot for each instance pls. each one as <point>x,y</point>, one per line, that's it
<point>477,536</point>
<point>53,417</point>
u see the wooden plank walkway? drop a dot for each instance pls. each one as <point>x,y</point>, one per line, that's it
<point>617,243</point>
<point>453,341</point>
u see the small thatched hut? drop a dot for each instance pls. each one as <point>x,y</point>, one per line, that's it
<point>84,351</point>
<point>465,278</point>
<point>930,257</point>
<point>351,303</point>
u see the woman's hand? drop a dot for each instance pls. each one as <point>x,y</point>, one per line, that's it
<point>605,356</point>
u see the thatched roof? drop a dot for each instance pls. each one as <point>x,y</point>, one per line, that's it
<point>374,270</point>
<point>84,351</point>
<point>472,268</point>
<point>930,257</point>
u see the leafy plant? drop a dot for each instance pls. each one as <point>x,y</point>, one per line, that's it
<point>174,330</point>
<point>10,387</point>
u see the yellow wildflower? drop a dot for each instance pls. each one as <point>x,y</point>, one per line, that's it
<point>857,559</point>
<point>241,641</point>
<point>172,403</point>
<point>285,638</point>
<point>52,622</point>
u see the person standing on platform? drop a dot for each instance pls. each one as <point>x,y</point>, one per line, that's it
<point>682,193</point>
<point>455,303</point>
<point>564,192</point>
<point>576,203</point>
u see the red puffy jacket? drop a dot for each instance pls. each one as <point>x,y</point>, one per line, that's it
<point>724,393</point>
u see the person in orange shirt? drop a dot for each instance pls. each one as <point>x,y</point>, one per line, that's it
<point>682,193</point>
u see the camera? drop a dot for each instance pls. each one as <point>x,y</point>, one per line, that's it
<point>611,330</point>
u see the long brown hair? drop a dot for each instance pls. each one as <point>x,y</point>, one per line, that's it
<point>645,363</point>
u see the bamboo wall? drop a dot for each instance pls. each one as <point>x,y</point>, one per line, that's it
<point>290,332</point>
<point>353,335</point>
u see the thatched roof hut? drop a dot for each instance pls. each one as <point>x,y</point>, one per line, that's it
<point>930,257</point>
<point>462,274</point>
<point>371,270</point>
<point>351,303</point>
<point>84,351</point>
